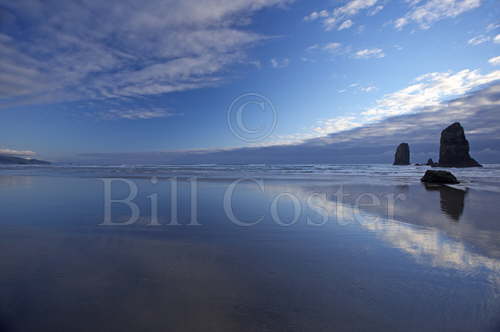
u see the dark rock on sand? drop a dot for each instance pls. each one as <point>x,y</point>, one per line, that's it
<point>454,151</point>
<point>402,156</point>
<point>439,177</point>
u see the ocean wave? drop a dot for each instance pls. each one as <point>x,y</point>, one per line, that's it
<point>487,178</point>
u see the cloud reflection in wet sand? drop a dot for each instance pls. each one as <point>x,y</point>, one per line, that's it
<point>427,245</point>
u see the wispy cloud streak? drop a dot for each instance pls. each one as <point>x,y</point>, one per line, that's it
<point>119,49</point>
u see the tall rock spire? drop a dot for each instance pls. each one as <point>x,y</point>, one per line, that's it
<point>454,151</point>
<point>402,156</point>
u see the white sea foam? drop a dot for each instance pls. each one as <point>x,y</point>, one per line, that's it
<point>487,178</point>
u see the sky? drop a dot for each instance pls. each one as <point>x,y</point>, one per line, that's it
<point>231,81</point>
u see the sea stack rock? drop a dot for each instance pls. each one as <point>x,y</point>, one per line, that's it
<point>454,151</point>
<point>402,156</point>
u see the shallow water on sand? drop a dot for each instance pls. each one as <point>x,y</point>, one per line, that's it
<point>311,262</point>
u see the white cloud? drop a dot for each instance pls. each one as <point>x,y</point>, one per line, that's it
<point>157,47</point>
<point>315,15</point>
<point>429,90</point>
<point>492,26</point>
<point>358,87</point>
<point>496,40</point>
<point>321,129</point>
<point>255,63</point>
<point>337,124</point>
<point>369,53</point>
<point>330,47</point>
<point>478,40</point>
<point>14,153</point>
<point>137,114</point>
<point>345,25</point>
<point>311,17</point>
<point>427,94</point>
<point>376,10</point>
<point>337,49</point>
<point>495,61</point>
<point>312,48</point>
<point>330,23</point>
<point>400,22</point>
<point>343,14</point>
<point>306,59</point>
<point>280,63</point>
<point>369,88</point>
<point>353,7</point>
<point>323,13</point>
<point>425,14</point>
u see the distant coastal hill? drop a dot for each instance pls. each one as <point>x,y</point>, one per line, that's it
<point>9,160</point>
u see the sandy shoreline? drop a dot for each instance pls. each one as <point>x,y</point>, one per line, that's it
<point>59,271</point>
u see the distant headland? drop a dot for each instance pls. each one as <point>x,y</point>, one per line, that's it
<point>10,160</point>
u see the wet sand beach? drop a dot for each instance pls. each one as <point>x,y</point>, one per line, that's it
<point>433,264</point>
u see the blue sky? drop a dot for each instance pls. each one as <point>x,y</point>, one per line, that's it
<point>87,79</point>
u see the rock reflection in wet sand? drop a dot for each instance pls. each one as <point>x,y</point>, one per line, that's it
<point>452,200</point>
